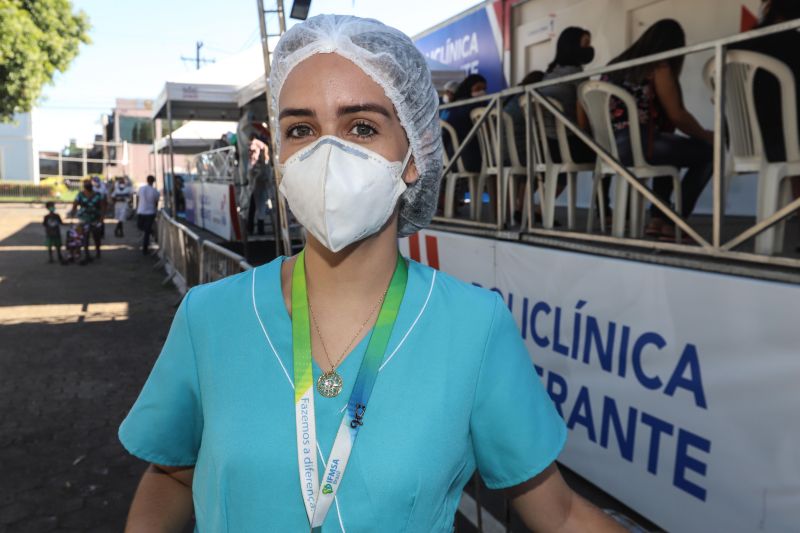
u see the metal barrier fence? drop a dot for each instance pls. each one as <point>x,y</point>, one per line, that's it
<point>26,192</point>
<point>216,165</point>
<point>490,127</point>
<point>190,260</point>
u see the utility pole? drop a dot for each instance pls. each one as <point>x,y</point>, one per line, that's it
<point>197,59</point>
<point>283,242</point>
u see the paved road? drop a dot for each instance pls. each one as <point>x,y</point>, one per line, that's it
<point>76,344</point>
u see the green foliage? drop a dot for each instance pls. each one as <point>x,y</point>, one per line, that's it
<point>37,38</point>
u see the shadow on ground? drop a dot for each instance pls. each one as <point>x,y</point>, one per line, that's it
<point>76,344</point>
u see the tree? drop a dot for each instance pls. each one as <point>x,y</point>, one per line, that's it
<point>37,38</point>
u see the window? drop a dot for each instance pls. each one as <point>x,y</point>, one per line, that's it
<point>136,130</point>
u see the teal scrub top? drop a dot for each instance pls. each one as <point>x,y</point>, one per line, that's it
<point>457,390</point>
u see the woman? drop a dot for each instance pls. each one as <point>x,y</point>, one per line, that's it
<point>574,50</point>
<point>90,206</point>
<point>782,46</point>
<point>657,91</point>
<point>244,408</point>
<point>473,86</point>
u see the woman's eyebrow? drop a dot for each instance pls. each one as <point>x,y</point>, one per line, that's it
<point>361,108</point>
<point>296,112</point>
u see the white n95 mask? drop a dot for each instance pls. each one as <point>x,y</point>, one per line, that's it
<point>340,191</point>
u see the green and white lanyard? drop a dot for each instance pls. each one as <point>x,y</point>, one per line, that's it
<point>317,502</point>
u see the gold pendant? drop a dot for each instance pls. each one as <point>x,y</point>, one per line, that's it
<point>330,384</point>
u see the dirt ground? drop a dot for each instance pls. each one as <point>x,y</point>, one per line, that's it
<point>76,344</point>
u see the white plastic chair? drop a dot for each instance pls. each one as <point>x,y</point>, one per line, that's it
<point>596,98</point>
<point>456,173</point>
<point>552,169</point>
<point>487,140</point>
<point>746,140</point>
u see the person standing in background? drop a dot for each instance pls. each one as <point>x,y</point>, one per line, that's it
<point>148,197</point>
<point>90,206</point>
<point>260,175</point>
<point>52,228</point>
<point>121,196</point>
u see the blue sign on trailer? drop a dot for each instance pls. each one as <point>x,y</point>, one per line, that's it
<point>470,44</point>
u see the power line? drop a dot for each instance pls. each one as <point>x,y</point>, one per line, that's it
<point>197,59</point>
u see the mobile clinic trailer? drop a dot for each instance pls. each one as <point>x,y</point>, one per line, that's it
<point>675,366</point>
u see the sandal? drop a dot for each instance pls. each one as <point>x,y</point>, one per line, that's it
<point>657,227</point>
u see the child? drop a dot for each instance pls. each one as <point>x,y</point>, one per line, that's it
<point>76,237</point>
<point>52,230</point>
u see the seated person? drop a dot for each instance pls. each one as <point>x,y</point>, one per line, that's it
<point>473,85</point>
<point>574,49</point>
<point>784,46</point>
<point>660,109</point>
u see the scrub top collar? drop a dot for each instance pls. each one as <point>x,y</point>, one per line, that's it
<point>268,300</point>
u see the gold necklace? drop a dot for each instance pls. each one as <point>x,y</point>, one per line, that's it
<point>330,383</point>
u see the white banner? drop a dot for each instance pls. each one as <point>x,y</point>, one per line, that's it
<point>679,387</point>
<point>212,209</point>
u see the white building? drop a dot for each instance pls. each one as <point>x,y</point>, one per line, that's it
<point>18,159</point>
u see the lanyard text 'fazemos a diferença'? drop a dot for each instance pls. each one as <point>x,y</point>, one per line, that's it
<point>317,502</point>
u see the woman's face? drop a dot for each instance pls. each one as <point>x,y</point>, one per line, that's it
<point>328,95</point>
<point>479,89</point>
<point>586,40</point>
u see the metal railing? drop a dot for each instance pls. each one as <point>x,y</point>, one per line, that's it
<point>711,248</point>
<point>216,165</point>
<point>11,191</point>
<point>217,262</point>
<point>190,260</point>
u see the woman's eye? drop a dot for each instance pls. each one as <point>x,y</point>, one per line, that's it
<point>299,131</point>
<point>363,130</point>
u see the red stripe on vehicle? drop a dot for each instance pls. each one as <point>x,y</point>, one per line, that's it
<point>432,248</point>
<point>413,247</point>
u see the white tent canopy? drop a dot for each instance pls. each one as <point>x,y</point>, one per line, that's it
<point>196,136</point>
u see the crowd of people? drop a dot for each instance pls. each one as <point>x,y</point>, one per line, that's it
<point>92,205</point>
<point>671,135</point>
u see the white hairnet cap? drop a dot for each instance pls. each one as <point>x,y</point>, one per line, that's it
<point>390,58</point>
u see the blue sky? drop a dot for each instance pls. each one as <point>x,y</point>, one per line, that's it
<point>137,45</point>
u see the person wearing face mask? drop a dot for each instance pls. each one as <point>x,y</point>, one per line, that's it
<point>90,206</point>
<point>449,92</point>
<point>573,51</point>
<point>347,386</point>
<point>472,86</point>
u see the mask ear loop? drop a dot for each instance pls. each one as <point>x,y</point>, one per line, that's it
<point>406,160</point>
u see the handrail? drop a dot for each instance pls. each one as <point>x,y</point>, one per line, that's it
<point>715,247</point>
<point>191,264</point>
<point>700,47</point>
<point>220,162</point>
<point>224,251</point>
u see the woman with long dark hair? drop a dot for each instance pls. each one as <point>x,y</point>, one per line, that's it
<point>784,46</point>
<point>660,109</point>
